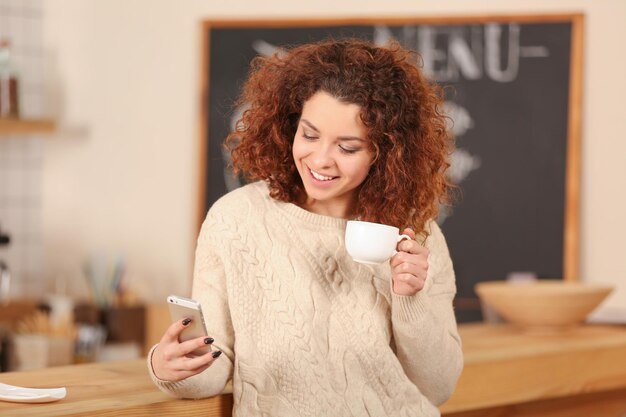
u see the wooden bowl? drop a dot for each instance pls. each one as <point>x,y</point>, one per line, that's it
<point>543,305</point>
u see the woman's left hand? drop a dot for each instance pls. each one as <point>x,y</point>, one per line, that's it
<point>409,266</point>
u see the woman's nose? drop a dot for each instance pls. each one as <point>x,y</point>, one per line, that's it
<point>322,156</point>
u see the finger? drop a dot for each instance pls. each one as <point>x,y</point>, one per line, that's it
<point>405,268</point>
<point>408,231</point>
<point>194,344</point>
<point>419,259</point>
<point>411,246</point>
<point>418,270</point>
<point>175,329</point>
<point>187,373</point>
<point>409,280</point>
<point>198,362</point>
<point>399,258</point>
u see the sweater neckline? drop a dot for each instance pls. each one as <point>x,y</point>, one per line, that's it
<point>301,214</point>
<point>312,218</point>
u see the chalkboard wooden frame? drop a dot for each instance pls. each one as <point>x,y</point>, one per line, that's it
<point>572,158</point>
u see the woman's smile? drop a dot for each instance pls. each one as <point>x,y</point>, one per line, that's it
<point>321,178</point>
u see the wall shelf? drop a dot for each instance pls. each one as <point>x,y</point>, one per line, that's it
<point>26,126</point>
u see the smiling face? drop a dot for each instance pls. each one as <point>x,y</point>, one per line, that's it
<point>331,153</point>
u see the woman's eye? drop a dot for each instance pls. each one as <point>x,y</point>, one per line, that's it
<point>308,137</point>
<point>348,150</point>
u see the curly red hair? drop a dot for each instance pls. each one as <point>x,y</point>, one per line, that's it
<point>401,111</point>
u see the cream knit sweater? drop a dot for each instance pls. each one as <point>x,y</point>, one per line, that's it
<point>306,331</point>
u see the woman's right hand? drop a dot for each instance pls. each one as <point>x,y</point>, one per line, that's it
<point>173,361</point>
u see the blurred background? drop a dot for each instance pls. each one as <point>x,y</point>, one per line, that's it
<point>99,193</point>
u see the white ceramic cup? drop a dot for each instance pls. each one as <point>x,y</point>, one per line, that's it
<point>372,243</point>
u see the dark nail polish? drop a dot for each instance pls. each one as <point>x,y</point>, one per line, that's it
<point>186,321</point>
<point>209,340</point>
<point>216,354</point>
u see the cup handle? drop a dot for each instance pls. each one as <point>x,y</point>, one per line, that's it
<point>400,239</point>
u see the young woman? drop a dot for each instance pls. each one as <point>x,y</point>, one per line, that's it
<point>336,130</point>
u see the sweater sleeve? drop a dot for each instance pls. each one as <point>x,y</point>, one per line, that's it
<point>424,327</point>
<point>210,290</point>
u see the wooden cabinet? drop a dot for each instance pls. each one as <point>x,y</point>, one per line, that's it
<point>26,126</point>
<point>15,310</point>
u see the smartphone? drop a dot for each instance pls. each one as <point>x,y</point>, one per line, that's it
<point>180,308</point>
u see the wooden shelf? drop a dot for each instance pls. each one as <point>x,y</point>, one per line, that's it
<point>26,126</point>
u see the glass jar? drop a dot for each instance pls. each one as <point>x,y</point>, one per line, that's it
<point>9,103</point>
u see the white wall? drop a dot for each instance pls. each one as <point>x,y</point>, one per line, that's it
<point>21,157</point>
<point>124,84</point>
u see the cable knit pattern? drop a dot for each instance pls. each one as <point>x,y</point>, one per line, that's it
<point>306,331</point>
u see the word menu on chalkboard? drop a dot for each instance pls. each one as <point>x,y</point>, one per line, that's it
<point>512,93</point>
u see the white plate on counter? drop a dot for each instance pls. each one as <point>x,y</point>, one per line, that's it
<point>30,395</point>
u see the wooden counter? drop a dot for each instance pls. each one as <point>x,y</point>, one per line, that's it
<point>106,389</point>
<point>508,373</point>
<point>581,373</point>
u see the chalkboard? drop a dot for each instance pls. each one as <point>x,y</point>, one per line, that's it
<point>513,94</point>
